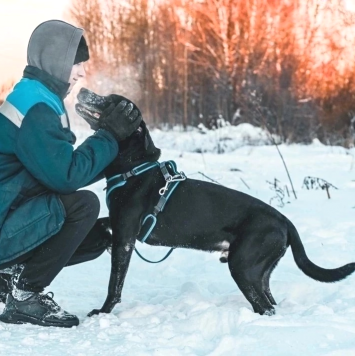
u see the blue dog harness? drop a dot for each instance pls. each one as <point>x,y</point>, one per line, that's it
<point>172,179</point>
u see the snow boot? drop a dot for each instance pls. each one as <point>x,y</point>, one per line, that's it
<point>5,282</point>
<point>37,309</point>
<point>7,278</point>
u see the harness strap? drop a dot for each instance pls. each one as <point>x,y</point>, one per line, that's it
<point>150,220</point>
<point>147,228</point>
<point>165,193</point>
<point>164,198</point>
<point>164,170</point>
<point>121,179</point>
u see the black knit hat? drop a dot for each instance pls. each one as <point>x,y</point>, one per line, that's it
<point>82,53</point>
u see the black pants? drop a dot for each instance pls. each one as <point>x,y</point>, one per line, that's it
<point>82,238</point>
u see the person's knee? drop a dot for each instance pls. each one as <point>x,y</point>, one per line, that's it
<point>89,201</point>
<point>83,202</point>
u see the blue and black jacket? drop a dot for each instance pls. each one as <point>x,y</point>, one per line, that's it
<point>38,162</point>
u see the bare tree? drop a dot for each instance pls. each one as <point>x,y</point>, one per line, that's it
<point>188,62</point>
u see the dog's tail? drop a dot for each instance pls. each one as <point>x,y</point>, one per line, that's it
<point>308,267</point>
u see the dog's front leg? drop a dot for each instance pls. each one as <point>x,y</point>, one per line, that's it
<point>122,247</point>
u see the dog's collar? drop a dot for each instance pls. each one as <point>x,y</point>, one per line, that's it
<point>121,179</point>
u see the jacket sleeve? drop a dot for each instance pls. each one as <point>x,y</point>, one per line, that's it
<point>43,148</point>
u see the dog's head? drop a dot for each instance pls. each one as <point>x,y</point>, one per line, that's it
<point>91,105</point>
<point>134,150</point>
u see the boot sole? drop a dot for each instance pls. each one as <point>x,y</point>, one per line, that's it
<point>26,319</point>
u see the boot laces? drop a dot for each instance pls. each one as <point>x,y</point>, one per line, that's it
<point>54,309</point>
<point>48,300</point>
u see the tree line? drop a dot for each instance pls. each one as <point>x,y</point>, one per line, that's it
<point>285,65</point>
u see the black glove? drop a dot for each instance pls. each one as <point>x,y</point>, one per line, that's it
<point>121,119</point>
<point>115,113</point>
<point>93,122</point>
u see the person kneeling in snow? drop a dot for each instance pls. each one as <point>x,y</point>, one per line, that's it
<point>46,223</point>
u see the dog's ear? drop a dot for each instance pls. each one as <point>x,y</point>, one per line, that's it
<point>149,147</point>
<point>145,133</point>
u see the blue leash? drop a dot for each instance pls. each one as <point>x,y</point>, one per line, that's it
<point>165,193</point>
<point>164,258</point>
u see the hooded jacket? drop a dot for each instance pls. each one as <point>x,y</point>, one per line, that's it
<point>37,159</point>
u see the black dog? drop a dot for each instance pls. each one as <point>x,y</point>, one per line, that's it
<point>199,215</point>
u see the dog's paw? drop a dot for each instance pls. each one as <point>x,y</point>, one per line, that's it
<point>94,312</point>
<point>270,312</point>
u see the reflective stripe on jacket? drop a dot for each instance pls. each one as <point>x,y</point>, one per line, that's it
<point>38,163</point>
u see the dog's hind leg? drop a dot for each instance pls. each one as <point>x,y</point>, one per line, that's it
<point>252,289</point>
<point>266,277</point>
<point>251,261</point>
<point>266,286</point>
<point>248,277</point>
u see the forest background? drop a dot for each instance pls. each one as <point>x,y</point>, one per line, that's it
<point>282,65</point>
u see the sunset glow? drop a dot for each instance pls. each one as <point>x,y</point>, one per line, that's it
<point>18,20</point>
<point>187,55</point>
<point>350,5</point>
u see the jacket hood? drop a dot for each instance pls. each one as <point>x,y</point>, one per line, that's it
<point>52,48</point>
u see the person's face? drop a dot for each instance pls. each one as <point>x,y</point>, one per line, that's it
<point>77,72</point>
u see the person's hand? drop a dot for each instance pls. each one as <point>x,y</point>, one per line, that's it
<point>93,122</point>
<point>114,113</point>
<point>121,119</point>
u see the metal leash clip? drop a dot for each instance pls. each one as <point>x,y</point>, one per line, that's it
<point>170,179</point>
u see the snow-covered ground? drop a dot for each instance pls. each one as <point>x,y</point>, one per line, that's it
<point>189,304</point>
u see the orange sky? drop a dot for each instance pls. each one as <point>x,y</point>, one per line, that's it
<point>18,18</point>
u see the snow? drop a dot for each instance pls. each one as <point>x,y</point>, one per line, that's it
<point>226,139</point>
<point>189,304</point>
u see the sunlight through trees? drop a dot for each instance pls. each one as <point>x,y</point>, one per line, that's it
<point>282,64</point>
